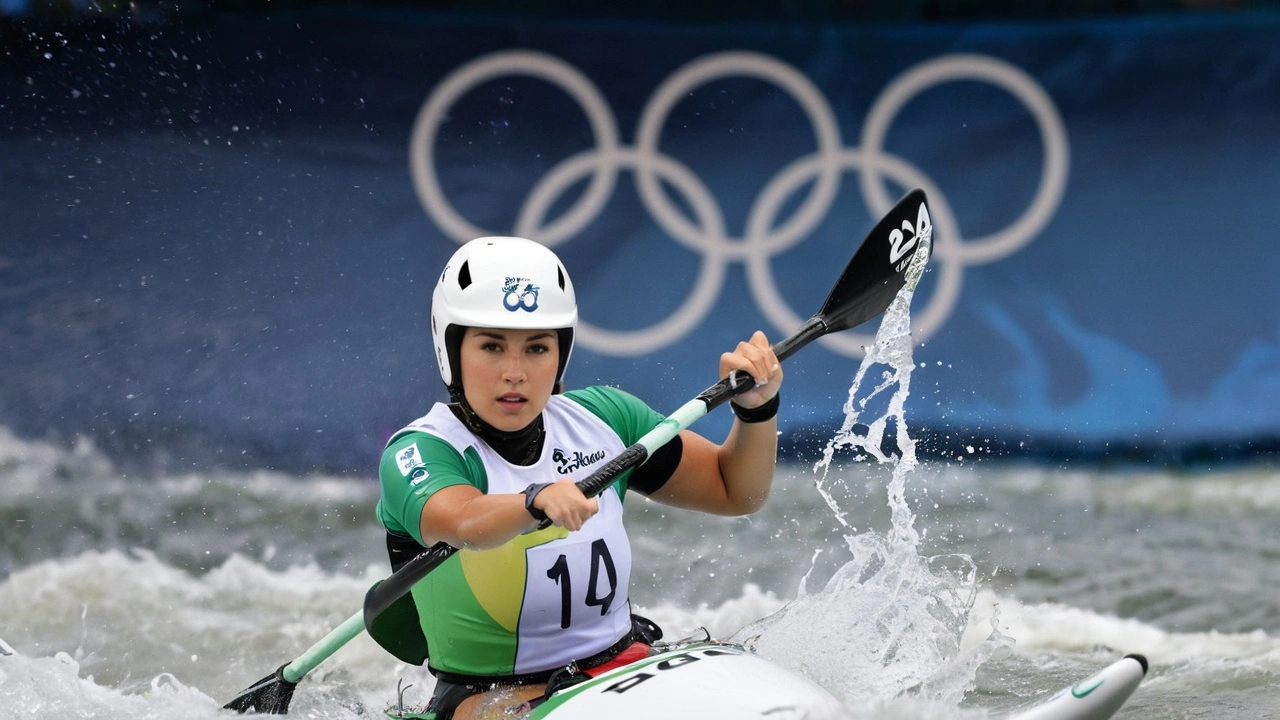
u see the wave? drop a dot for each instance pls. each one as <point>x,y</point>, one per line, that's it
<point>1052,628</point>
<point>125,635</point>
<point>1251,489</point>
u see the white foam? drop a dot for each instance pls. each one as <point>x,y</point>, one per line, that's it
<point>1051,627</point>
<point>140,618</point>
<point>51,688</point>
<point>29,465</point>
<point>720,621</point>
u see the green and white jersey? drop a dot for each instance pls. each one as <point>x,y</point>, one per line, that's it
<point>545,598</point>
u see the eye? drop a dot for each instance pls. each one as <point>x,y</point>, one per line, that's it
<point>539,348</point>
<point>490,346</point>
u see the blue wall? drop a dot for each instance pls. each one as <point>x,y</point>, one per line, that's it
<point>220,235</point>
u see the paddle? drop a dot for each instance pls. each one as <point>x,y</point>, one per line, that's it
<point>864,290</point>
<point>273,693</point>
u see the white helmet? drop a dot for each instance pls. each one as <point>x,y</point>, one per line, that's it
<point>500,282</point>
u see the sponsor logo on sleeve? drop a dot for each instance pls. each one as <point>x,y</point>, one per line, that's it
<point>408,459</point>
<point>417,476</point>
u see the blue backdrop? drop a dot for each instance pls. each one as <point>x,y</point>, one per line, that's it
<point>220,235</point>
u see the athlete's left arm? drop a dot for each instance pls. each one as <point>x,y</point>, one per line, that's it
<point>732,478</point>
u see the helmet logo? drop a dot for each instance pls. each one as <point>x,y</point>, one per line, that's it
<point>519,294</point>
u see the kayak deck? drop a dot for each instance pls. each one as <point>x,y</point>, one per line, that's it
<point>710,680</point>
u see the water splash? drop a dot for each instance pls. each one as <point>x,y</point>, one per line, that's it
<point>889,622</point>
<point>891,355</point>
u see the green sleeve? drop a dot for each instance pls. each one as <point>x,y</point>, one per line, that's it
<point>625,413</point>
<point>405,490</point>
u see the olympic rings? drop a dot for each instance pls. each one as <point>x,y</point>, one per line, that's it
<point>705,232</point>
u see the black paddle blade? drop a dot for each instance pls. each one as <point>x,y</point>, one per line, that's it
<point>271,695</point>
<point>385,593</point>
<point>398,630</point>
<point>866,288</point>
<point>878,269</point>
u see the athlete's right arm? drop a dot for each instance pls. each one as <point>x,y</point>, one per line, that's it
<point>464,517</point>
<point>433,493</point>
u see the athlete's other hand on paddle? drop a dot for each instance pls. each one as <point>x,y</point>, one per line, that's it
<point>756,358</point>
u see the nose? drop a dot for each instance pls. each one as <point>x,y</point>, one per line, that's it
<point>513,368</point>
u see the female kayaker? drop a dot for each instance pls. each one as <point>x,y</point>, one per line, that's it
<point>519,605</point>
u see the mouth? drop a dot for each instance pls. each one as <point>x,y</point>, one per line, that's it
<point>512,401</point>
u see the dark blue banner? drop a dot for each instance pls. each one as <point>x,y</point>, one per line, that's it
<point>221,235</point>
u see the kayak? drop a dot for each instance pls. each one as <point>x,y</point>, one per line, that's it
<point>710,680</point>
<point>1095,698</point>
<point>705,680</point>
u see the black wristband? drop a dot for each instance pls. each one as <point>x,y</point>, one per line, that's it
<point>529,494</point>
<point>759,414</point>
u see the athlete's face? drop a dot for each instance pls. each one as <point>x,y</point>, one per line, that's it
<point>508,375</point>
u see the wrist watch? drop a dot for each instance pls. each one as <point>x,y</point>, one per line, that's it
<point>529,494</point>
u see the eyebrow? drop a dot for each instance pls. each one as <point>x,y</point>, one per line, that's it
<point>500,336</point>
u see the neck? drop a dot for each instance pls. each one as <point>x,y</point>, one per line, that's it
<point>518,447</point>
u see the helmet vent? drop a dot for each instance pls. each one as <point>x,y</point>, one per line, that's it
<point>464,276</point>
<point>561,272</point>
